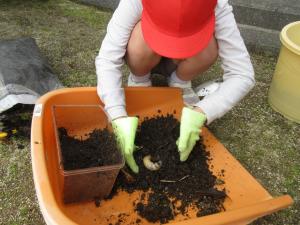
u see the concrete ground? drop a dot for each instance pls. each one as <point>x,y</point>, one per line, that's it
<point>260,22</point>
<point>69,35</point>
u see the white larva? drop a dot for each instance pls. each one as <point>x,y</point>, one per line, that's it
<point>152,166</point>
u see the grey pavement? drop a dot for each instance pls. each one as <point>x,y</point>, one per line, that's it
<point>260,21</point>
<point>282,6</point>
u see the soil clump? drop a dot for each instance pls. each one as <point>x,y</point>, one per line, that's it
<point>100,149</point>
<point>176,186</point>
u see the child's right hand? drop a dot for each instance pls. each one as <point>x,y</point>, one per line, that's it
<point>125,130</point>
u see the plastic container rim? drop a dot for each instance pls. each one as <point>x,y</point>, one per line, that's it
<point>286,41</point>
<point>85,170</point>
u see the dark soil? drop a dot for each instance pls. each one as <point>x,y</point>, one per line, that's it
<point>158,208</point>
<point>177,186</point>
<point>16,121</point>
<point>100,149</point>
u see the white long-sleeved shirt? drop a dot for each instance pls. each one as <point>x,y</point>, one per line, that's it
<point>238,78</point>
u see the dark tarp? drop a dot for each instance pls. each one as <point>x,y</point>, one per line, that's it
<point>25,74</point>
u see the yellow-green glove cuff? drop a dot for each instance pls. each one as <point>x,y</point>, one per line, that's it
<point>191,116</point>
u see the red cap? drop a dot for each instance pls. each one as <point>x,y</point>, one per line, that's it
<point>178,28</point>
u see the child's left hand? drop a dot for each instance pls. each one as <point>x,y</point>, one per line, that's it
<point>190,128</point>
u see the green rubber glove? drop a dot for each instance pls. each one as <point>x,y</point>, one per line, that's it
<point>125,130</point>
<point>190,128</point>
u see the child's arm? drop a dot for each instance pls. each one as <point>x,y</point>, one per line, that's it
<point>238,71</point>
<point>111,57</point>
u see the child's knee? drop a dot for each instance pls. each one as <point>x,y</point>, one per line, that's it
<point>210,54</point>
<point>139,57</point>
<point>137,47</point>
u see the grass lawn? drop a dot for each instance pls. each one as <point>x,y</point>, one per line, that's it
<point>69,35</point>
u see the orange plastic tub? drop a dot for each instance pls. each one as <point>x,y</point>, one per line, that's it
<point>246,199</point>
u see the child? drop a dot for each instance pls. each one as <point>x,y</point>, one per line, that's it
<point>180,38</point>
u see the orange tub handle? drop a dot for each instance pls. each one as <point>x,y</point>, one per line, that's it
<point>244,215</point>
